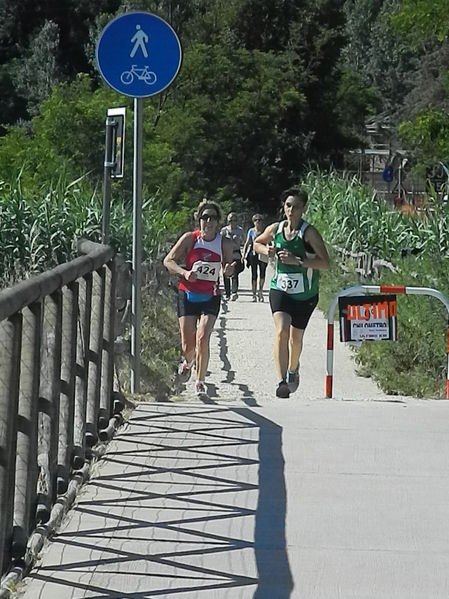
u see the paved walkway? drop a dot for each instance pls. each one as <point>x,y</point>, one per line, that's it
<point>247,496</point>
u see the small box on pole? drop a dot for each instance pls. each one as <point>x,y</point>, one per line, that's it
<point>118,141</point>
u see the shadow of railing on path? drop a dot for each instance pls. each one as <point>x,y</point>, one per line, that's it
<point>245,393</point>
<point>172,465</point>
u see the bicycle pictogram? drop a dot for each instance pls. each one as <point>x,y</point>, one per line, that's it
<point>144,74</point>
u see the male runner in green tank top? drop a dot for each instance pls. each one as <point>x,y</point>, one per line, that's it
<point>300,254</point>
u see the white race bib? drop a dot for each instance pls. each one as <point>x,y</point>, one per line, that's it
<point>207,271</point>
<point>290,282</point>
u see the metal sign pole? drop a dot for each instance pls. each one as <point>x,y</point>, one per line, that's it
<point>139,55</point>
<point>108,164</point>
<point>136,292</point>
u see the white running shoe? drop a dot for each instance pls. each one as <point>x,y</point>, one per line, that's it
<point>184,371</point>
<point>200,388</point>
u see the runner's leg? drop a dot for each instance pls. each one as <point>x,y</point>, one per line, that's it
<point>295,347</point>
<point>187,327</point>
<point>227,286</point>
<point>203,333</point>
<point>262,269</point>
<point>253,264</point>
<point>282,322</point>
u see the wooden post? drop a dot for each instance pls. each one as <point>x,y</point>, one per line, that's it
<point>26,459</point>
<point>10,344</point>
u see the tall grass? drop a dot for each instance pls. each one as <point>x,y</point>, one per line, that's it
<point>39,229</point>
<point>350,215</point>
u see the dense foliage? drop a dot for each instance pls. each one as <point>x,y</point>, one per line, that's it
<point>256,99</point>
<point>400,49</point>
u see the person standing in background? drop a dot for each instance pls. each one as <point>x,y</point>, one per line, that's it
<point>235,234</point>
<point>257,263</point>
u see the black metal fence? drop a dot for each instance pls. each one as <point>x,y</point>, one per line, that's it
<point>56,388</point>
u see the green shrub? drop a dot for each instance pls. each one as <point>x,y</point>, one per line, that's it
<point>416,363</point>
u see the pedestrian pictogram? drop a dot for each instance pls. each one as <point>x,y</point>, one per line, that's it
<point>140,40</point>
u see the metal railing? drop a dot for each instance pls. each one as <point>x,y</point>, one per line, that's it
<point>364,264</point>
<point>56,388</point>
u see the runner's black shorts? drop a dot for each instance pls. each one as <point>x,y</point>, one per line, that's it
<point>186,308</point>
<point>299,311</point>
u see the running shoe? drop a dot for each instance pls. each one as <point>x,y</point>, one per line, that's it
<point>261,299</point>
<point>234,297</point>
<point>184,371</point>
<point>254,298</point>
<point>200,388</point>
<point>293,380</point>
<point>282,390</point>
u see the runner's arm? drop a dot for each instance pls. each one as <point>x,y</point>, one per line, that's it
<point>263,243</point>
<point>180,249</point>
<point>321,259</point>
<point>227,262</point>
<point>247,244</point>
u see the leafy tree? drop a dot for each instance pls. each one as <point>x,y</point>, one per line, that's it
<point>392,63</point>
<point>27,41</point>
<point>355,101</point>
<point>422,20</point>
<point>229,120</point>
<point>360,17</point>
<point>37,72</point>
<point>428,136</point>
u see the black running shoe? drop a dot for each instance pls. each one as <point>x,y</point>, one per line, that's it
<point>282,390</point>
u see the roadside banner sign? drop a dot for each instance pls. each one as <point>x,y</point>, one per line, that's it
<point>368,318</point>
<point>138,54</point>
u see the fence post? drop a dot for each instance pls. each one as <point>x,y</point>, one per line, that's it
<point>66,402</point>
<point>50,389</point>
<point>26,459</point>
<point>95,358</point>
<point>82,363</point>
<point>107,370</point>
<point>10,348</point>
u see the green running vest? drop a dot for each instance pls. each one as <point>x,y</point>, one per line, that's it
<point>299,282</point>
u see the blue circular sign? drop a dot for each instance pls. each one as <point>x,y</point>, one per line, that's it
<point>387,174</point>
<point>138,54</point>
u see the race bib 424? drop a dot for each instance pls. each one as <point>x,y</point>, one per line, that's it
<point>207,271</point>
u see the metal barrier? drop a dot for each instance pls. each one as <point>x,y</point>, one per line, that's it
<point>360,289</point>
<point>56,388</point>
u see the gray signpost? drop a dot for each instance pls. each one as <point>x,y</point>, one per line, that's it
<point>139,55</point>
